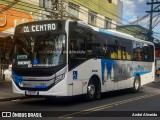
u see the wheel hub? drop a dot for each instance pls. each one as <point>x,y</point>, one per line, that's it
<point>136,84</point>
<point>91,90</point>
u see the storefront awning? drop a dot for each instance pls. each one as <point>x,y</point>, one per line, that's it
<point>8,32</point>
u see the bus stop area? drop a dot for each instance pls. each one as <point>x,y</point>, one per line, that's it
<point>6,93</point>
<point>6,48</point>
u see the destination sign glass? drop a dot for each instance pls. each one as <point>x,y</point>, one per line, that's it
<point>39,27</point>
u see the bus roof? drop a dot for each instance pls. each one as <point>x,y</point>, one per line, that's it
<point>113,32</point>
<point>100,30</point>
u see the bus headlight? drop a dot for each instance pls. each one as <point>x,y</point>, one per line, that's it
<point>59,78</point>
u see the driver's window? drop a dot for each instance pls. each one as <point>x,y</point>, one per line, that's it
<point>76,50</point>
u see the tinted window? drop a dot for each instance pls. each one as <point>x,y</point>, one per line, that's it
<point>77,52</point>
<point>143,52</point>
<point>126,48</point>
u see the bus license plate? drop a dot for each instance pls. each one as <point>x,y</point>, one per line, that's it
<point>31,92</point>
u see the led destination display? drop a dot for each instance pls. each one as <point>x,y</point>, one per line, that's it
<point>40,27</point>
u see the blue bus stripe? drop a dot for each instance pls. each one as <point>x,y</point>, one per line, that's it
<point>40,86</point>
<point>140,73</point>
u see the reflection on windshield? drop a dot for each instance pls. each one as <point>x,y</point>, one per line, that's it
<point>35,51</point>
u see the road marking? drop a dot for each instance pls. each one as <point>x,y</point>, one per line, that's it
<point>94,109</point>
<point>15,100</point>
<point>97,110</point>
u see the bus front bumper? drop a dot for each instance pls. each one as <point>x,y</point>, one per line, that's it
<point>59,89</point>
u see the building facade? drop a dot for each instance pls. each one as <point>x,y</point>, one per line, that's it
<point>100,13</point>
<point>13,13</point>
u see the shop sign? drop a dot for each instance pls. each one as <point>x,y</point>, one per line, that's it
<point>3,19</point>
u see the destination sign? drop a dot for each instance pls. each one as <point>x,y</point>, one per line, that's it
<point>39,27</point>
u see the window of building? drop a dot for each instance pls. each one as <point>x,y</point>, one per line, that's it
<point>41,3</point>
<point>73,10</point>
<point>110,1</point>
<point>108,23</point>
<point>47,3</point>
<point>92,18</point>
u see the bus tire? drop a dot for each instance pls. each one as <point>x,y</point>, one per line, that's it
<point>93,90</point>
<point>136,84</point>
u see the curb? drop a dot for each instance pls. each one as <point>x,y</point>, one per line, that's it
<point>5,81</point>
<point>156,82</point>
<point>12,98</point>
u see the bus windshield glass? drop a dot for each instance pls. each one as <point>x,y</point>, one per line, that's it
<point>40,50</point>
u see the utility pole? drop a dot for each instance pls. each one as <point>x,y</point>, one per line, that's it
<point>153,10</point>
<point>9,6</point>
<point>59,9</point>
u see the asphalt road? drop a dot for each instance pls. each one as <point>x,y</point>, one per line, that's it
<point>113,105</point>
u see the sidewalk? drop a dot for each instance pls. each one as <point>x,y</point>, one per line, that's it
<point>6,93</point>
<point>157,79</point>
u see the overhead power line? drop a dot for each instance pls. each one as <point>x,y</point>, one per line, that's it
<point>140,19</point>
<point>128,29</point>
<point>35,8</point>
<point>9,6</point>
<point>153,10</point>
<point>156,22</point>
<point>86,12</point>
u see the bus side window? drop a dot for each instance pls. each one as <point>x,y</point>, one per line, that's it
<point>127,49</point>
<point>151,53</point>
<point>137,51</point>
<point>76,51</point>
<point>114,49</point>
<point>94,46</point>
<point>145,52</point>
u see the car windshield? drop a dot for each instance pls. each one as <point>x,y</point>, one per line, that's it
<point>40,50</point>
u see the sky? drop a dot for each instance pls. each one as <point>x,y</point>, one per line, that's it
<point>133,9</point>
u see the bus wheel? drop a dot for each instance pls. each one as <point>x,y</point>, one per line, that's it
<point>136,84</point>
<point>91,91</point>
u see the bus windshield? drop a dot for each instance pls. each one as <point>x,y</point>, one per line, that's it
<point>40,50</point>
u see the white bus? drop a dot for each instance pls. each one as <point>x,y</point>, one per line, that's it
<point>157,66</point>
<point>68,58</point>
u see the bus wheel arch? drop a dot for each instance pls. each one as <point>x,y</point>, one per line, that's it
<point>136,83</point>
<point>93,88</point>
